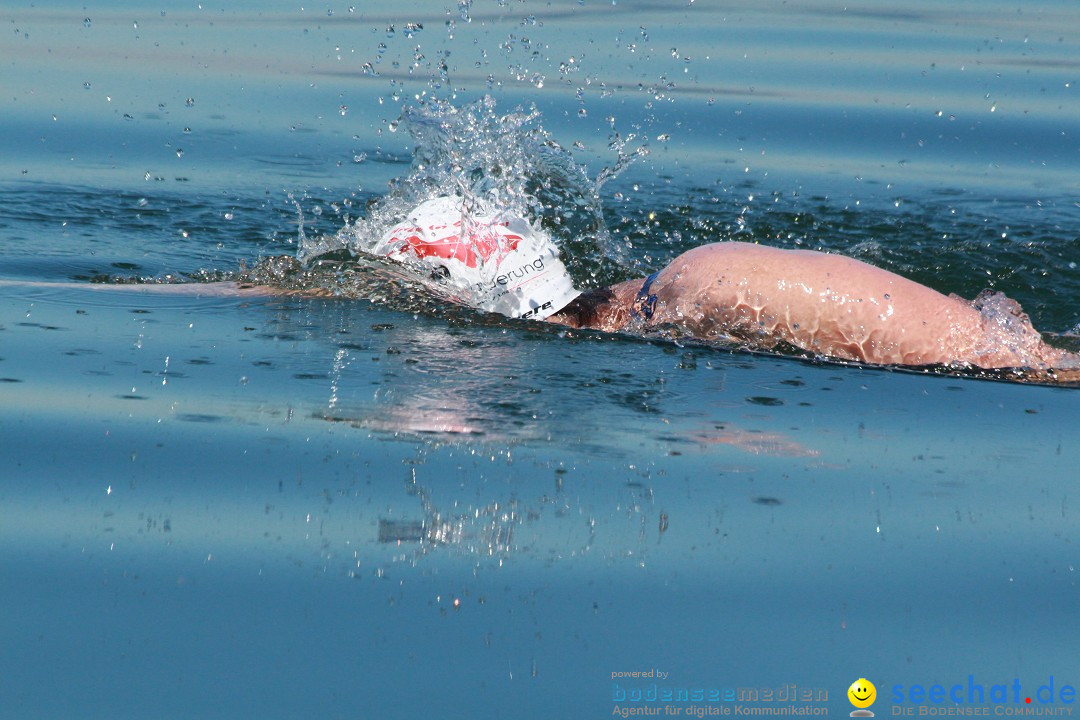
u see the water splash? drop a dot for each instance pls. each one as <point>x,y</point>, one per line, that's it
<point>503,161</point>
<point>1009,328</point>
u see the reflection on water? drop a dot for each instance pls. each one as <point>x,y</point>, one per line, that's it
<point>206,501</point>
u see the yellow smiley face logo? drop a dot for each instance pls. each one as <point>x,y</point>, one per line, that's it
<point>862,693</point>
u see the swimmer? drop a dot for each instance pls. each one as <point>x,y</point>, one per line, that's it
<point>830,306</point>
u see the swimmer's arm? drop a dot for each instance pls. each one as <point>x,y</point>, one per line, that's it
<point>191,289</point>
<point>839,307</point>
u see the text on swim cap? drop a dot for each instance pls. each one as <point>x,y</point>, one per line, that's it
<point>529,313</point>
<point>518,273</point>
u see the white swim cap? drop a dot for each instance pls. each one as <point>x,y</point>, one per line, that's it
<point>496,263</point>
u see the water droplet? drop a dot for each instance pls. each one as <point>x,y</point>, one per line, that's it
<point>86,22</point>
<point>190,102</point>
<point>86,85</point>
<point>229,216</point>
<point>583,113</point>
<point>343,110</point>
<point>179,152</point>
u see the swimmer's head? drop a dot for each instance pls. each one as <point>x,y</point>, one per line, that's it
<point>492,262</point>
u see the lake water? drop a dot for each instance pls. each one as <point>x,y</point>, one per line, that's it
<point>278,507</point>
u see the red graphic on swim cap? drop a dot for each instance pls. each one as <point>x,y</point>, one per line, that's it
<point>444,242</point>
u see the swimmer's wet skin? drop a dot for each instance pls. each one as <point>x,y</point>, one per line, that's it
<point>830,305</point>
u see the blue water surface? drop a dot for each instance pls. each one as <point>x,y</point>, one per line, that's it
<point>223,507</point>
